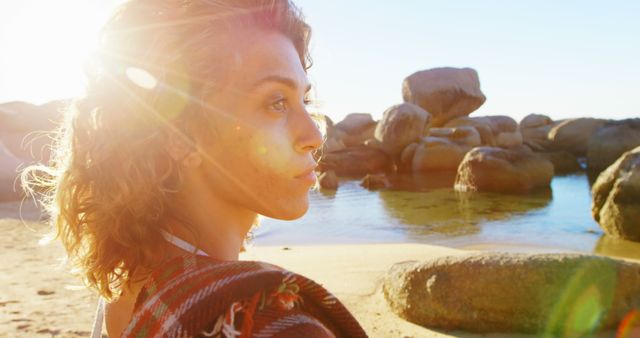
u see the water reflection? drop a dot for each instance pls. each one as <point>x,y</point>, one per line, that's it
<point>432,213</point>
<point>614,247</point>
<point>422,182</point>
<point>445,211</point>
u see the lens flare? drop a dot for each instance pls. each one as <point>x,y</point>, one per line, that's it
<point>141,78</point>
<point>174,95</point>
<point>584,302</point>
<point>630,325</point>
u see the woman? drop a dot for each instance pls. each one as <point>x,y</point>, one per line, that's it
<point>194,123</point>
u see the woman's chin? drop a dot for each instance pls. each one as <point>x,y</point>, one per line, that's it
<point>291,211</point>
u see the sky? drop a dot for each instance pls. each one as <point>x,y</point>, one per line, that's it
<point>565,59</point>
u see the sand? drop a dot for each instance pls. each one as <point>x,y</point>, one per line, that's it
<point>39,298</point>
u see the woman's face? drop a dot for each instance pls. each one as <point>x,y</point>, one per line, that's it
<point>263,137</point>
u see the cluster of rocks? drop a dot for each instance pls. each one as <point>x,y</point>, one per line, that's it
<point>432,131</point>
<point>25,139</point>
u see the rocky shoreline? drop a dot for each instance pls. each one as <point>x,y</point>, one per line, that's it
<point>430,133</point>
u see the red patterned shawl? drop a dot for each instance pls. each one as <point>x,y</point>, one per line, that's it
<point>196,296</point>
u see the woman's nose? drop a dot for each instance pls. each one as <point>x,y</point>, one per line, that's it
<point>309,137</point>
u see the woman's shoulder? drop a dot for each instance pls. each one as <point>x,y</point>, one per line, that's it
<point>199,295</point>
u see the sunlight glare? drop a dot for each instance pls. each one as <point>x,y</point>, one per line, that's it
<point>45,44</point>
<point>141,78</point>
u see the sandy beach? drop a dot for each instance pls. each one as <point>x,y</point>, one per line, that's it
<point>39,298</point>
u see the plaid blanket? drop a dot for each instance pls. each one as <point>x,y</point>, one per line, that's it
<point>196,296</point>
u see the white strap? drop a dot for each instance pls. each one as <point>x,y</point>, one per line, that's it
<point>96,332</point>
<point>186,246</point>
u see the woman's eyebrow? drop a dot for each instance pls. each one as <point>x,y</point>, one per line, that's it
<point>289,82</point>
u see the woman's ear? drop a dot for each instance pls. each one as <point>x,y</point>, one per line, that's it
<point>183,149</point>
<point>192,160</point>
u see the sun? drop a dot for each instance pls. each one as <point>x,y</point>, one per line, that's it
<point>45,44</point>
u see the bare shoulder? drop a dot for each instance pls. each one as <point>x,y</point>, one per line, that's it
<point>118,313</point>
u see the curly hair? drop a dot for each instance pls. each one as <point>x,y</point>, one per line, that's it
<point>111,179</point>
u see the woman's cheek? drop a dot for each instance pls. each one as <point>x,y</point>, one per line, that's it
<point>273,151</point>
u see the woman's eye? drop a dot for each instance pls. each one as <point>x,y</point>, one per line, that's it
<point>279,105</point>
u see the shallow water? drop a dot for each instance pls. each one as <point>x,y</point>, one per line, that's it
<point>555,220</point>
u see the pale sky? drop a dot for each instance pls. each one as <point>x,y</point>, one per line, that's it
<point>561,58</point>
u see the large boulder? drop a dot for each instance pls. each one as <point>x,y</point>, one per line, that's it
<point>437,154</point>
<point>328,180</point>
<point>400,126</point>
<point>535,121</point>
<point>466,136</point>
<point>9,166</point>
<point>444,149</point>
<point>355,161</point>
<point>356,123</point>
<point>610,142</point>
<point>446,93</point>
<point>573,135</point>
<point>535,130</point>
<point>551,295</point>
<point>616,197</point>
<point>375,181</point>
<point>496,131</point>
<point>25,129</point>
<point>333,144</point>
<point>356,128</point>
<point>501,170</point>
<point>564,162</point>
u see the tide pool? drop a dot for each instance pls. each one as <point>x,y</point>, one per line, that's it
<point>421,209</point>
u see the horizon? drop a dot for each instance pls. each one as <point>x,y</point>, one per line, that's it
<point>564,60</point>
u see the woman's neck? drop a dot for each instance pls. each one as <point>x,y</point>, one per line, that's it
<point>212,225</point>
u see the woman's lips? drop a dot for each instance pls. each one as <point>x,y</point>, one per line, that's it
<point>309,176</point>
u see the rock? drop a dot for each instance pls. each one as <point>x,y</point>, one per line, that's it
<point>437,154</point>
<point>332,145</point>
<point>359,138</point>
<point>373,143</point>
<point>564,162</point>
<point>446,93</point>
<point>535,121</point>
<point>25,129</point>
<point>356,161</point>
<point>401,125</point>
<point>375,182</point>
<point>324,123</point>
<point>503,171</point>
<point>535,130</point>
<point>616,197</point>
<point>500,131</point>
<point>406,157</point>
<point>356,123</point>
<point>464,136</point>
<point>355,129</point>
<point>9,165</point>
<point>537,138</point>
<point>610,142</point>
<point>555,295</point>
<point>497,123</point>
<point>328,180</point>
<point>486,135</point>
<point>23,117</point>
<point>573,135</point>
<point>444,149</point>
<point>509,139</point>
